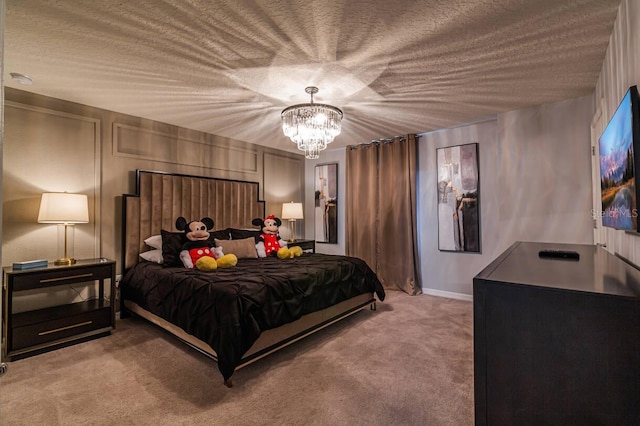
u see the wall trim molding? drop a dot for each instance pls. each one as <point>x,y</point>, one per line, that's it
<point>244,160</point>
<point>97,166</point>
<point>448,294</point>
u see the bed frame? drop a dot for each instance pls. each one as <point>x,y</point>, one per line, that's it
<point>162,197</point>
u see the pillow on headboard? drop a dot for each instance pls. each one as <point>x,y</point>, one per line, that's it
<point>154,241</point>
<point>241,234</point>
<point>220,234</point>
<point>171,246</point>
<point>153,255</point>
<point>245,248</point>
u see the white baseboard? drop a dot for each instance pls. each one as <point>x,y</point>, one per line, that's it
<point>448,294</point>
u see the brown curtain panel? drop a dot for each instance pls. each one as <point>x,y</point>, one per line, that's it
<point>381,210</point>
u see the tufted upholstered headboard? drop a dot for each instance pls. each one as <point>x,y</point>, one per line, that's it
<point>162,197</point>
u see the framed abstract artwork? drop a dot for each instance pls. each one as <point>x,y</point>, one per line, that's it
<point>326,203</point>
<point>458,198</point>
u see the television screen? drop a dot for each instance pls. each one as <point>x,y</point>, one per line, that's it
<point>618,145</point>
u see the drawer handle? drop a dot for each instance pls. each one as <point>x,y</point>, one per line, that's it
<point>49,280</point>
<point>44,333</point>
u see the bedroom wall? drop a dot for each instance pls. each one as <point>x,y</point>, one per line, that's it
<point>620,70</point>
<point>535,179</point>
<point>534,186</point>
<point>445,273</point>
<point>54,145</point>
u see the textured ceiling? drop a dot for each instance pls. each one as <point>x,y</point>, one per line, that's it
<point>230,67</point>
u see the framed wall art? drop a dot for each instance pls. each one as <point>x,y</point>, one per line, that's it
<point>326,203</point>
<point>458,198</point>
<point>619,147</point>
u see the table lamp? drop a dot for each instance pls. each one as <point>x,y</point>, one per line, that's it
<point>292,211</point>
<point>64,209</point>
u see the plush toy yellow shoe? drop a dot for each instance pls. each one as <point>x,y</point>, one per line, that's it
<point>289,253</point>
<point>206,263</point>
<point>284,253</point>
<point>227,261</point>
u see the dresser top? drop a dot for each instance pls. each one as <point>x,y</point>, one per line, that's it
<point>597,270</point>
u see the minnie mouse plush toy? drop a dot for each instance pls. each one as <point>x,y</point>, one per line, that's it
<point>270,241</point>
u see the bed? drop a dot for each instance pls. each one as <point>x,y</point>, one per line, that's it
<point>233,315</point>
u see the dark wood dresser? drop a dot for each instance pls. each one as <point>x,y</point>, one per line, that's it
<point>557,341</point>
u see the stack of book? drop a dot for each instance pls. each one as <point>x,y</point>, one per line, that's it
<point>30,264</point>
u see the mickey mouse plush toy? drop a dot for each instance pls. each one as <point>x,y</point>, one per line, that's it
<point>197,251</point>
<point>270,243</point>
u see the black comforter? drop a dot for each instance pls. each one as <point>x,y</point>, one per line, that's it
<point>229,308</point>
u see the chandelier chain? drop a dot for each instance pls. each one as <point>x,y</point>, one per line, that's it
<point>311,90</point>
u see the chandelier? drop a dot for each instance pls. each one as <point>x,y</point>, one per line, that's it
<point>311,126</point>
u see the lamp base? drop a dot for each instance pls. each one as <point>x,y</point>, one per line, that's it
<point>65,261</point>
<point>292,231</point>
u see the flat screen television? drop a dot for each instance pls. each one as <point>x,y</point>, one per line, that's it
<point>619,145</point>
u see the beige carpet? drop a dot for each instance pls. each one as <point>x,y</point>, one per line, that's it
<point>410,362</point>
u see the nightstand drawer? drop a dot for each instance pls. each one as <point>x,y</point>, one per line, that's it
<point>53,277</point>
<point>28,331</point>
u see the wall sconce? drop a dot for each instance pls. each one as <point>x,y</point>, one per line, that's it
<point>65,210</point>
<point>292,211</point>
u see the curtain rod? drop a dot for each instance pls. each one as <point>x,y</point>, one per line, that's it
<point>379,141</point>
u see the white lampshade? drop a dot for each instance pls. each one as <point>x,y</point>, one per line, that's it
<point>62,207</point>
<point>292,211</point>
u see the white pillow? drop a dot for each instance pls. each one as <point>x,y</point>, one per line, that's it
<point>154,255</point>
<point>154,241</point>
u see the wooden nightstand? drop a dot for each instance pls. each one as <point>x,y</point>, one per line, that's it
<point>304,245</point>
<point>40,330</point>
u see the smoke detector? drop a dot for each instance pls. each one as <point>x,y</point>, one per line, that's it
<point>21,78</point>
